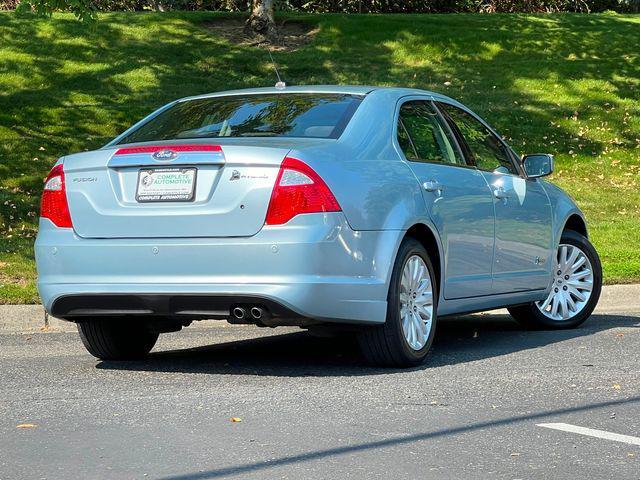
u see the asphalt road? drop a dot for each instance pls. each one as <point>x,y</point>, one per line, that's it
<point>310,408</point>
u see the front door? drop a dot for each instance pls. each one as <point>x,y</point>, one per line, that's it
<point>457,197</point>
<point>523,244</point>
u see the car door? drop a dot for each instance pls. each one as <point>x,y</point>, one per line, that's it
<point>457,198</point>
<point>523,244</point>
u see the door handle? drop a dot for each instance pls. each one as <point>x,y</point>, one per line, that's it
<point>432,186</point>
<point>500,193</point>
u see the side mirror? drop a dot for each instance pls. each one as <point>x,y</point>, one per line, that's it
<point>537,165</point>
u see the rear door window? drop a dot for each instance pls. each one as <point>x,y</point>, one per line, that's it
<point>422,136</point>
<point>271,115</point>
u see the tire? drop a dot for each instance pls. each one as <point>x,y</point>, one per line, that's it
<point>387,344</point>
<point>116,338</point>
<point>532,317</point>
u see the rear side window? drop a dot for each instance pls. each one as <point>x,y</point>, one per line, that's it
<point>486,151</point>
<point>273,115</point>
<point>422,136</point>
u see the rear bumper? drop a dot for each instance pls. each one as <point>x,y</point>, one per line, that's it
<point>185,306</point>
<point>316,266</point>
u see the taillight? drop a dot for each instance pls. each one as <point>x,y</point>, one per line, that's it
<point>298,189</point>
<point>54,204</point>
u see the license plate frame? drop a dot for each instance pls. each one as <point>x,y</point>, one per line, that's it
<point>149,195</point>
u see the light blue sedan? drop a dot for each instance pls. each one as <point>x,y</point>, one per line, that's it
<point>375,210</point>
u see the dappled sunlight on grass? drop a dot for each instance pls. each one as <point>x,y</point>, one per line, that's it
<point>564,84</point>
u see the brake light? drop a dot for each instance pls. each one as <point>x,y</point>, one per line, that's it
<point>298,189</point>
<point>175,148</point>
<point>54,204</point>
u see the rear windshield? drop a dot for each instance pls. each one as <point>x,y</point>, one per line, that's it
<point>275,115</point>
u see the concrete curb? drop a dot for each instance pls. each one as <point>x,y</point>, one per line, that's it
<point>615,299</point>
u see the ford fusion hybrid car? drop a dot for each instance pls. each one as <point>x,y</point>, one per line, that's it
<point>371,210</point>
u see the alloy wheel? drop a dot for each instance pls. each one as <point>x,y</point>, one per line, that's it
<point>572,284</point>
<point>416,302</point>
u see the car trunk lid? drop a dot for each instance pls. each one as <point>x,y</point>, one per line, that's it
<point>228,195</point>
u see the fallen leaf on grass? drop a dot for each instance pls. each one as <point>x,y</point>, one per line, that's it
<point>235,419</point>
<point>26,425</point>
<point>616,387</point>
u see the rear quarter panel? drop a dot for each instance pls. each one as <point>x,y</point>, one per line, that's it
<point>376,190</point>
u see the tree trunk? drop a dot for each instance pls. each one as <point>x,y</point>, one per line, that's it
<point>262,22</point>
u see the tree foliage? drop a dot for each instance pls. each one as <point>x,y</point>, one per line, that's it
<point>88,7</point>
<point>451,6</point>
<point>83,9</point>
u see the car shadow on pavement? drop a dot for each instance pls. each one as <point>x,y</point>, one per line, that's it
<point>458,340</point>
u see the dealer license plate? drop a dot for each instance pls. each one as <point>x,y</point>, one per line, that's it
<point>166,185</point>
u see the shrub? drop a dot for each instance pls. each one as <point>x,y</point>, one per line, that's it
<point>370,6</point>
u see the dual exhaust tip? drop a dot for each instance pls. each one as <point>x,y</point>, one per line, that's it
<point>242,313</point>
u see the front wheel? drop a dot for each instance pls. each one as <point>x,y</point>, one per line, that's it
<point>577,281</point>
<point>116,338</point>
<point>406,337</point>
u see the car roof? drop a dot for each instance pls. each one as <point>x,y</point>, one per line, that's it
<point>340,89</point>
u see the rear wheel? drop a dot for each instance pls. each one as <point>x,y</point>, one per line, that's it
<point>577,280</point>
<point>116,338</point>
<point>406,337</point>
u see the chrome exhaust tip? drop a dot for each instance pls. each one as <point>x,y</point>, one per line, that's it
<point>257,313</point>
<point>239,313</point>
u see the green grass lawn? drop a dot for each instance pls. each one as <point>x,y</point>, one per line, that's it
<point>564,84</point>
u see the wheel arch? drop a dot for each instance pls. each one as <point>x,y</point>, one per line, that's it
<point>431,242</point>
<point>576,223</point>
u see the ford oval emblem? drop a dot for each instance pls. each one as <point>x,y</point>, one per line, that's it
<point>164,155</point>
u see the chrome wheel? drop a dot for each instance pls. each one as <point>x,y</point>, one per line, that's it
<point>572,284</point>
<point>416,302</point>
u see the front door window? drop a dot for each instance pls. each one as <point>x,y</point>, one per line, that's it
<point>485,150</point>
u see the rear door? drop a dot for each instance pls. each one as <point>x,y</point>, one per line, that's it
<point>523,211</point>
<point>171,190</point>
<point>456,196</point>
